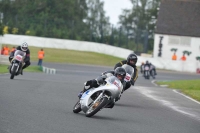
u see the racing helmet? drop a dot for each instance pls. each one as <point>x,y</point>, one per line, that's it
<point>132,57</point>
<point>120,73</point>
<point>24,46</point>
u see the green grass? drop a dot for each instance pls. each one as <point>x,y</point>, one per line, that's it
<point>188,87</point>
<point>74,57</point>
<point>3,69</point>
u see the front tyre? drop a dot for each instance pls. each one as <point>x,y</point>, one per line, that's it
<point>13,72</point>
<point>77,107</point>
<point>95,107</point>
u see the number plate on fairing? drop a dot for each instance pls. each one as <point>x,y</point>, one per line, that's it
<point>116,83</point>
<point>128,77</point>
<point>18,57</point>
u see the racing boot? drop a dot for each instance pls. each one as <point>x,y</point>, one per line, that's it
<point>85,88</point>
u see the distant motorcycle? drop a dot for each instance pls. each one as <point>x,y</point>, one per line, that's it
<point>152,72</point>
<point>142,68</point>
<point>95,99</point>
<point>146,72</point>
<point>17,63</point>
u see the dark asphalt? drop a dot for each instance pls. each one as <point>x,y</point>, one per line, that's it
<point>42,103</point>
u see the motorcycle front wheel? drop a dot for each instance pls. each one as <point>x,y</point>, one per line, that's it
<point>95,107</point>
<point>77,107</point>
<point>13,72</point>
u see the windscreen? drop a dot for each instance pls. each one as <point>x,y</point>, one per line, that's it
<point>18,52</point>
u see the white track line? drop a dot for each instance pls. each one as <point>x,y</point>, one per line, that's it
<point>187,96</point>
<point>153,82</point>
<point>150,94</point>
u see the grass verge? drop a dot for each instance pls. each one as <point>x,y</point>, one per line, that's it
<point>188,87</point>
<point>3,69</point>
<point>72,56</point>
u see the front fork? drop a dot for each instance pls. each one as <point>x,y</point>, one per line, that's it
<point>99,97</point>
<point>15,64</point>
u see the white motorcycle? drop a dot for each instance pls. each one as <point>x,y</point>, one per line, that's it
<point>95,99</point>
<point>146,72</point>
<point>17,63</point>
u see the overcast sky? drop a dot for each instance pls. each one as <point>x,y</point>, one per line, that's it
<point>114,8</point>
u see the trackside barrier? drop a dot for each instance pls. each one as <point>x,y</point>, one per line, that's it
<point>48,70</point>
<point>4,60</point>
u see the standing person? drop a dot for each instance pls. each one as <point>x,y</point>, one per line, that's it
<point>40,57</point>
<point>6,50</point>
<point>13,49</point>
<point>24,48</point>
<point>131,60</point>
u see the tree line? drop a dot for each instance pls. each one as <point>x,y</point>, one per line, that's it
<point>83,20</point>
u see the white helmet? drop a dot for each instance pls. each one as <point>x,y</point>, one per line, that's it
<point>24,46</point>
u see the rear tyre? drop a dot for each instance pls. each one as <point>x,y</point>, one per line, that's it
<point>77,107</point>
<point>153,74</point>
<point>13,72</point>
<point>146,75</point>
<point>93,110</point>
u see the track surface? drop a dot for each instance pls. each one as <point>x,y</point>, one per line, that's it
<point>42,103</point>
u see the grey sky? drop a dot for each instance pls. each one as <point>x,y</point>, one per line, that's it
<point>114,8</point>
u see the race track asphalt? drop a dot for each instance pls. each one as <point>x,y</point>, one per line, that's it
<point>42,103</point>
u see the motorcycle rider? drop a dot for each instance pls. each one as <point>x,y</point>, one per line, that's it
<point>119,72</point>
<point>142,67</point>
<point>131,60</point>
<point>153,68</point>
<point>24,48</point>
<point>146,64</point>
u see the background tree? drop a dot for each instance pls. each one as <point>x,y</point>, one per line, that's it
<point>98,23</point>
<point>82,20</point>
<point>139,23</point>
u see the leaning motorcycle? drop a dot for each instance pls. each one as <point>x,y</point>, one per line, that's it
<point>16,63</point>
<point>95,99</point>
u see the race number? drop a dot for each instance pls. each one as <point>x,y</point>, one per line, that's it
<point>19,57</point>
<point>116,83</point>
<point>128,77</point>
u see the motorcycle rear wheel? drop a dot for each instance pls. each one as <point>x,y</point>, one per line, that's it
<point>93,110</point>
<point>13,72</point>
<point>77,107</point>
<point>153,74</point>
